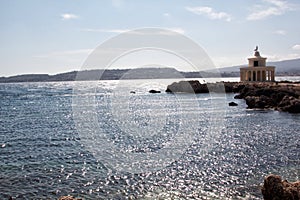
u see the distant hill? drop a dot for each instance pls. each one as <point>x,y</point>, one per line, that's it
<point>113,74</point>
<point>285,67</point>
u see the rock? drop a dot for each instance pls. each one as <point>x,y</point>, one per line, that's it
<point>188,87</point>
<point>238,87</point>
<point>68,198</point>
<point>286,101</point>
<point>295,108</point>
<point>276,189</point>
<point>132,92</point>
<point>261,95</point>
<point>233,104</point>
<point>289,104</point>
<point>196,87</point>
<point>264,96</point>
<point>251,101</point>
<point>265,102</point>
<point>154,91</point>
<point>277,97</point>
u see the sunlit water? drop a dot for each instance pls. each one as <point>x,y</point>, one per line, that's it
<point>43,155</point>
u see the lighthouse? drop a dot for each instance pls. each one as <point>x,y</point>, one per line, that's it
<point>257,69</point>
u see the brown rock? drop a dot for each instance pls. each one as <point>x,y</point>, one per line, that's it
<point>276,189</point>
<point>188,87</point>
<point>261,95</point>
<point>264,96</point>
<point>68,198</point>
<point>290,104</point>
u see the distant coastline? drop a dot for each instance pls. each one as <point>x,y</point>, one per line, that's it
<point>126,74</point>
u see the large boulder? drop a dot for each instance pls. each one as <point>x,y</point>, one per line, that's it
<point>154,91</point>
<point>247,90</point>
<point>294,108</point>
<point>289,104</point>
<point>278,96</point>
<point>188,87</point>
<point>266,102</point>
<point>261,102</point>
<point>251,101</point>
<point>195,86</point>
<point>232,104</point>
<point>276,189</point>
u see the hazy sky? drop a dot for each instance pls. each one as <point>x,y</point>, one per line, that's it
<point>48,36</point>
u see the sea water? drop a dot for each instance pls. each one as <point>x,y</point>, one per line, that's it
<point>50,142</point>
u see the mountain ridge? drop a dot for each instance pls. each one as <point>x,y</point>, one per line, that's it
<point>285,67</point>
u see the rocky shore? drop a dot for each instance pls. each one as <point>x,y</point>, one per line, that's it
<point>282,96</point>
<point>275,188</point>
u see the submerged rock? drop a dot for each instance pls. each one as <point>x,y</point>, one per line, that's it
<point>154,91</point>
<point>233,104</point>
<point>276,189</point>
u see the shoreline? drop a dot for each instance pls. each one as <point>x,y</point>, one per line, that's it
<point>281,96</point>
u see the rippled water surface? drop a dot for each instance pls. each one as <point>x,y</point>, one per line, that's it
<point>50,142</point>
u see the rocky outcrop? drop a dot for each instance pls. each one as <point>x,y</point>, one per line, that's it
<point>187,87</point>
<point>195,86</point>
<point>275,188</point>
<point>266,96</point>
<point>289,104</point>
<point>260,95</point>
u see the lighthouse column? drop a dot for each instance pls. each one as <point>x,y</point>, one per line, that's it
<point>273,76</point>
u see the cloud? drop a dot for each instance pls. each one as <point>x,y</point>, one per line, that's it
<point>296,47</point>
<point>278,3</point>
<point>280,32</point>
<point>273,58</point>
<point>159,31</point>
<point>106,30</point>
<point>273,8</point>
<point>210,13</point>
<point>119,31</point>
<point>68,16</point>
<point>75,52</point>
<point>117,3</point>
<point>168,15</point>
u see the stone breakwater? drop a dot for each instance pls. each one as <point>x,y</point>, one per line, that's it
<point>282,96</point>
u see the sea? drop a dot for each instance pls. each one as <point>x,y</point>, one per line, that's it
<point>115,140</point>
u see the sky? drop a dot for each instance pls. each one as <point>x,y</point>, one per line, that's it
<point>55,36</point>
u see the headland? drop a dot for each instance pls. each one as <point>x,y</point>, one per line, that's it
<point>282,96</point>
